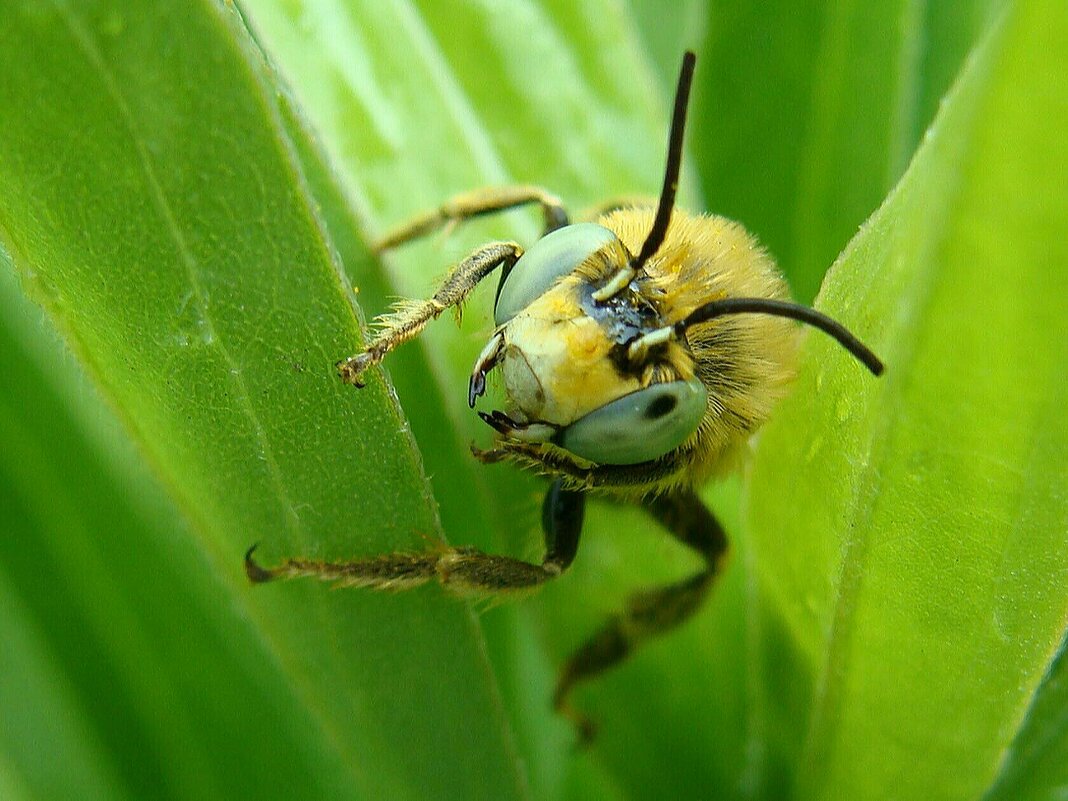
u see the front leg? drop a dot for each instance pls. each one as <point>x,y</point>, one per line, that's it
<point>410,317</point>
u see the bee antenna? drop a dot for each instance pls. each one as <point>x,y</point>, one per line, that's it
<point>784,308</point>
<point>674,161</point>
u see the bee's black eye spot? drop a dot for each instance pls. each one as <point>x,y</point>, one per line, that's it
<point>660,407</point>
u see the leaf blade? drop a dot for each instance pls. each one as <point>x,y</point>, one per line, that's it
<point>187,265</point>
<point>911,520</point>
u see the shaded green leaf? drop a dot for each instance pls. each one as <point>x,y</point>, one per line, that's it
<point>912,552</point>
<point>810,112</point>
<point>123,651</point>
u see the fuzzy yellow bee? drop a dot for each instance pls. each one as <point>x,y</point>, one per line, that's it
<point>638,353</point>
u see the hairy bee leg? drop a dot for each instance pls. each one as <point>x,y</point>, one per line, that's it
<point>533,456</point>
<point>395,571</point>
<point>653,612</point>
<point>410,317</point>
<point>463,570</point>
<point>488,200</point>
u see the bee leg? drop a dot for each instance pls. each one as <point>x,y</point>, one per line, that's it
<point>652,612</point>
<point>463,570</point>
<point>409,317</point>
<point>477,203</point>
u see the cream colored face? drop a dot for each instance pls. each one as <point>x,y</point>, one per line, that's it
<point>564,385</point>
<point>556,361</point>
<point>559,351</point>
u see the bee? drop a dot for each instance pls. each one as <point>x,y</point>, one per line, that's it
<point>638,354</point>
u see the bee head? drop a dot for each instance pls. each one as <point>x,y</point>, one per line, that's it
<point>556,347</point>
<point>578,340</point>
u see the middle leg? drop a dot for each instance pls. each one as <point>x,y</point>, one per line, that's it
<point>466,571</point>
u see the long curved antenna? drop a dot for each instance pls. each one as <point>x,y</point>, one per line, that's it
<point>784,308</point>
<point>674,162</point>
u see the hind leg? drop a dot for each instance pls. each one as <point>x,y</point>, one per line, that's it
<point>652,612</point>
<point>478,203</point>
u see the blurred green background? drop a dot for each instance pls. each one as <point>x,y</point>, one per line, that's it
<point>187,190</point>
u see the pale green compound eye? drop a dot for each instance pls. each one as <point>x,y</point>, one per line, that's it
<point>553,256</point>
<point>638,427</point>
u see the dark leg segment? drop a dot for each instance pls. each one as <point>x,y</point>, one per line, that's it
<point>650,613</point>
<point>562,514</point>
<point>462,570</point>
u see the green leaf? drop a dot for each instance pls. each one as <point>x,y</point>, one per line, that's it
<point>124,650</point>
<point>809,113</point>
<point>912,551</point>
<point>191,222</point>
<point>154,205</point>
